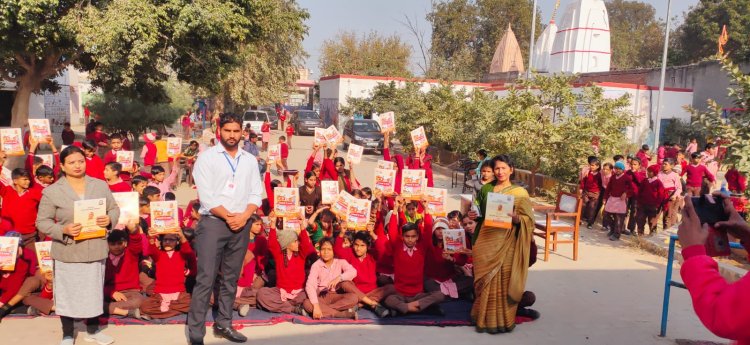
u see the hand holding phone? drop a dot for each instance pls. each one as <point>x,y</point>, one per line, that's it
<point>710,210</point>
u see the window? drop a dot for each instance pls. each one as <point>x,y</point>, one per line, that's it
<point>366,126</point>
<point>308,115</point>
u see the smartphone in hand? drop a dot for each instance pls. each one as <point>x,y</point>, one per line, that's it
<point>710,210</point>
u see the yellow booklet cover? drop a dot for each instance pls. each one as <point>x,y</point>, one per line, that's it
<point>85,213</point>
<point>497,212</point>
<point>8,253</point>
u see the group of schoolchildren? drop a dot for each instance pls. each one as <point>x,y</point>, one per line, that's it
<point>323,270</point>
<point>635,191</point>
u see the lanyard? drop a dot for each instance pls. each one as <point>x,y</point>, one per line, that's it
<point>233,167</point>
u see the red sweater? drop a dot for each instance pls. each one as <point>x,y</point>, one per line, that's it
<point>736,181</point>
<point>651,193</point>
<point>695,175</point>
<point>637,178</point>
<point>259,248</point>
<point>399,167</point>
<point>95,167</point>
<point>110,156</point>
<point>409,269</point>
<point>21,209</point>
<point>25,267</point>
<point>618,186</point>
<point>120,187</point>
<point>413,163</point>
<point>150,158</point>
<point>722,307</point>
<point>124,276</point>
<point>284,150</point>
<point>592,182</point>
<point>170,272</point>
<point>366,279</point>
<point>291,276</point>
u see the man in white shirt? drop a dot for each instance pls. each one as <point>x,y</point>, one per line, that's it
<point>230,190</point>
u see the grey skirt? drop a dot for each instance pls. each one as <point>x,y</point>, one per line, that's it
<point>79,289</point>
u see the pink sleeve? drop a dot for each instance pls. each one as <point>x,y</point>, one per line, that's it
<point>718,304</point>
<point>311,287</point>
<point>349,271</point>
<point>678,186</point>
<point>144,151</point>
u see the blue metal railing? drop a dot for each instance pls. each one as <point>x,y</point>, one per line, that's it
<point>669,283</point>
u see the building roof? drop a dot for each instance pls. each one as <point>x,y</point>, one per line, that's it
<point>386,78</point>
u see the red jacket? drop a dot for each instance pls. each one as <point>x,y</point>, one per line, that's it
<point>26,265</point>
<point>695,175</point>
<point>409,269</point>
<point>651,194</point>
<point>170,272</point>
<point>384,262</point>
<point>399,167</point>
<point>636,177</point>
<point>438,268</point>
<point>125,276</point>
<point>150,158</point>
<point>592,182</point>
<point>259,248</point>
<point>21,209</point>
<point>284,151</point>
<point>722,307</point>
<point>644,158</point>
<point>618,186</point>
<point>120,187</point>
<point>290,276</point>
<point>366,279</point>
<point>95,167</point>
<point>736,181</point>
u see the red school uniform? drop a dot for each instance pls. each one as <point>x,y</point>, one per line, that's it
<point>619,185</point>
<point>637,178</point>
<point>284,151</point>
<point>256,266</point>
<point>695,175</point>
<point>736,181</point>
<point>651,193</point>
<point>170,269</point>
<point>95,167</point>
<point>10,282</point>
<point>366,279</point>
<point>290,276</point>
<point>289,131</point>
<point>120,187</point>
<point>124,275</point>
<point>591,182</point>
<point>409,263</point>
<point>21,209</point>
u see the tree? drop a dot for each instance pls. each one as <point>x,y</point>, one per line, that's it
<point>465,34</point>
<point>537,122</point>
<point>637,36</point>
<point>269,66</point>
<point>697,38</point>
<point>130,46</point>
<point>735,128</point>
<point>372,55</point>
<point>134,116</point>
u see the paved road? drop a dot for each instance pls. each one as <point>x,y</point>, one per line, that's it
<point>612,295</point>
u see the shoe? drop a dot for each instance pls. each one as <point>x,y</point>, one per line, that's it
<point>4,311</point>
<point>528,312</point>
<point>67,341</point>
<point>144,317</point>
<point>625,232</point>
<point>589,226</point>
<point>354,313</point>
<point>299,310</point>
<point>434,309</point>
<point>393,312</point>
<point>99,337</point>
<point>229,333</point>
<point>380,311</point>
<point>135,313</point>
<point>610,233</point>
<point>243,310</point>
<point>614,237</point>
<point>195,342</point>
<point>31,311</point>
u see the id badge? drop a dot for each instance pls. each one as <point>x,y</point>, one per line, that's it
<point>229,188</point>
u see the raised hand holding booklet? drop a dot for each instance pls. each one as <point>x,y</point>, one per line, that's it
<point>85,213</point>
<point>165,217</point>
<point>497,212</point>
<point>11,141</point>
<point>286,202</point>
<point>8,253</point>
<point>330,191</point>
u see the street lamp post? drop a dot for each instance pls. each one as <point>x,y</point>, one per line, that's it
<point>657,124</point>
<point>531,44</point>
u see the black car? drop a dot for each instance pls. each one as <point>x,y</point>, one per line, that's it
<point>365,133</point>
<point>305,122</point>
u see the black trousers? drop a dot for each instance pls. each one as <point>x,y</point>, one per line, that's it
<point>219,250</point>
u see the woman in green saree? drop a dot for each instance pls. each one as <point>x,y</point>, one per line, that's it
<point>501,256</point>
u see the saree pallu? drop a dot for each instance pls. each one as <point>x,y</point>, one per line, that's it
<point>501,263</point>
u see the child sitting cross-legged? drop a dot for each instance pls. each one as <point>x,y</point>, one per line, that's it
<point>122,289</point>
<point>170,253</point>
<point>329,288</point>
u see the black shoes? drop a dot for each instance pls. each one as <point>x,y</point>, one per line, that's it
<point>229,333</point>
<point>380,311</point>
<point>528,312</point>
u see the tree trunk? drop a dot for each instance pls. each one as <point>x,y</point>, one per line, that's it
<point>26,86</point>
<point>532,183</point>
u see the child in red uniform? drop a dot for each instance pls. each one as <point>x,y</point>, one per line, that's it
<point>265,131</point>
<point>363,257</point>
<point>289,250</point>
<point>289,134</point>
<point>637,175</point>
<point>171,259</point>
<point>20,205</point>
<point>442,267</point>
<point>253,267</point>
<point>284,152</point>
<point>94,164</point>
<point>139,183</point>
<point>116,143</point>
<point>33,162</point>
<point>112,172</point>
<point>591,191</point>
<point>616,201</point>
<point>68,136</point>
<point>99,138</point>
<point>651,196</point>
<point>11,282</point>
<point>696,172</point>
<point>409,251</point>
<point>736,181</point>
<point>36,293</point>
<point>148,153</point>
<point>122,289</point>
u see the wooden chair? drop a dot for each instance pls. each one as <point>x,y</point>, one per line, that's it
<point>568,207</point>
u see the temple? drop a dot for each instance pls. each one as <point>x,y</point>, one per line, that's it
<point>582,41</point>
<point>508,57</point>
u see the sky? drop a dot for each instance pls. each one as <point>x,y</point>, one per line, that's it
<point>328,17</point>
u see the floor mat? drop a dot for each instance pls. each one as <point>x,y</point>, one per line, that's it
<point>457,313</point>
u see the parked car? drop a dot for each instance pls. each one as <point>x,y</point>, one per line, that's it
<point>255,118</point>
<point>365,133</point>
<point>305,121</point>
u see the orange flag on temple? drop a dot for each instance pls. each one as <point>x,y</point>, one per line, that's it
<point>723,39</point>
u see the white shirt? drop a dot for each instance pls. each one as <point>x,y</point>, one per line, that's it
<point>225,181</point>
